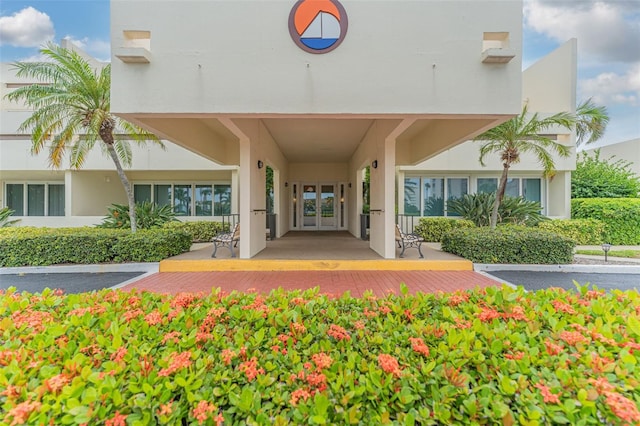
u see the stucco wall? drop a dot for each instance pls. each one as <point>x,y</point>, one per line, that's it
<point>398,56</point>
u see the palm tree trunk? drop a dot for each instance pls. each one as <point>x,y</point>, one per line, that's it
<point>127,187</point>
<point>499,196</point>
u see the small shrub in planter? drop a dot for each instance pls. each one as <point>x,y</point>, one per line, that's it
<point>433,228</point>
<point>509,244</point>
<point>494,356</point>
<point>5,217</point>
<point>514,210</point>
<point>200,231</point>
<point>148,216</point>
<point>581,231</point>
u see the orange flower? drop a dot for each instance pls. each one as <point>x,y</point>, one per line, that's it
<point>338,333</point>
<point>172,335</point>
<point>22,411</point>
<point>389,364</point>
<point>624,408</point>
<point>563,307</point>
<point>153,318</point>
<point>297,395</point>
<point>129,315</point>
<point>119,355</point>
<point>227,355</point>
<point>322,360</point>
<point>56,383</point>
<point>250,370</point>
<point>181,360</point>
<point>515,356</point>
<point>165,409</point>
<point>547,396</point>
<point>418,345</point>
<point>462,324</point>
<point>488,315</point>
<point>573,337</point>
<point>552,348</point>
<point>358,325</point>
<point>297,328</point>
<point>203,410</point>
<point>117,420</point>
<point>11,392</point>
<point>458,297</point>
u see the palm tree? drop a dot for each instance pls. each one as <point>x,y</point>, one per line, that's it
<point>71,111</point>
<point>519,135</point>
<point>591,122</point>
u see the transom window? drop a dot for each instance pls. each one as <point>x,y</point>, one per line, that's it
<point>187,199</point>
<point>35,198</point>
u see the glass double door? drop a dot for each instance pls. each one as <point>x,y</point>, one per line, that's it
<point>319,208</point>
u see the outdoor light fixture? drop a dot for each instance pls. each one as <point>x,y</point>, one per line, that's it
<point>374,164</point>
<point>606,247</point>
<point>260,164</point>
<point>349,184</point>
<point>286,184</point>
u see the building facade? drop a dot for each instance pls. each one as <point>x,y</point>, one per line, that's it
<point>628,151</point>
<point>317,91</point>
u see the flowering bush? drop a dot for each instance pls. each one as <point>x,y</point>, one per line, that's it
<point>485,356</point>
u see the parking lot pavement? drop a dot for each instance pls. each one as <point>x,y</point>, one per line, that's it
<point>77,282</point>
<point>537,280</point>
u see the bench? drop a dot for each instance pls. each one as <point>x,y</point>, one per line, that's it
<point>227,239</point>
<point>406,241</point>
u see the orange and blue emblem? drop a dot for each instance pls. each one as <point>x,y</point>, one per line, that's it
<point>318,26</point>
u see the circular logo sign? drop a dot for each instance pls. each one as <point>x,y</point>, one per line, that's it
<point>318,26</point>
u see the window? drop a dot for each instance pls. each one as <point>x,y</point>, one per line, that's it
<point>427,195</point>
<point>187,199</point>
<point>35,199</point>
<point>528,188</point>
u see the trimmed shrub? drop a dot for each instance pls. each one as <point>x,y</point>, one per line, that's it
<point>29,246</point>
<point>201,231</point>
<point>509,244</point>
<point>489,356</point>
<point>150,245</point>
<point>603,178</point>
<point>621,217</point>
<point>581,231</point>
<point>433,228</point>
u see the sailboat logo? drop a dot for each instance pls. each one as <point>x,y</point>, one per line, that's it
<point>318,26</point>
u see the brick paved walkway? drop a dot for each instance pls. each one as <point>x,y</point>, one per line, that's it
<point>334,282</point>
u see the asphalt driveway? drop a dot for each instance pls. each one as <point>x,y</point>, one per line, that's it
<point>536,280</point>
<point>76,282</point>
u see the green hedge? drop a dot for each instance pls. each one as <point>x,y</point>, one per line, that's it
<point>201,231</point>
<point>581,231</point>
<point>29,246</point>
<point>433,228</point>
<point>496,356</point>
<point>621,217</point>
<point>509,244</point>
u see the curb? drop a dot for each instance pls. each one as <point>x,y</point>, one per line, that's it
<point>149,267</point>
<point>587,269</point>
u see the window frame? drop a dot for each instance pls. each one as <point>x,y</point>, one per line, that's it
<point>192,193</point>
<point>25,196</point>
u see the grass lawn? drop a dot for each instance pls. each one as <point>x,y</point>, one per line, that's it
<point>488,356</point>
<point>635,254</point>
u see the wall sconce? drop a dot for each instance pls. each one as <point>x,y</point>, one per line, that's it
<point>349,184</point>
<point>374,164</point>
<point>605,248</point>
<point>286,184</point>
<point>260,164</point>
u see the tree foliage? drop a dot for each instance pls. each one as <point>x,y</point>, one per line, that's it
<point>71,112</point>
<point>591,122</point>
<point>596,177</point>
<point>523,133</point>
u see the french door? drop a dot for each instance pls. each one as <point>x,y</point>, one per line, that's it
<point>318,206</point>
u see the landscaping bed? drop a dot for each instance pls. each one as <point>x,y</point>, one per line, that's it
<point>486,356</point>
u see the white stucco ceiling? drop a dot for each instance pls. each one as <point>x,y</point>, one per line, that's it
<point>317,140</point>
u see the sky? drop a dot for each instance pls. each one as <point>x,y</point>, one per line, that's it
<point>608,33</point>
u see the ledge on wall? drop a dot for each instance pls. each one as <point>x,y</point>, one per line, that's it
<point>133,55</point>
<point>498,56</point>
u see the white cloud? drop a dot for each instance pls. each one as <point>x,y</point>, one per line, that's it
<point>99,49</point>
<point>605,29</point>
<point>26,28</point>
<point>612,88</point>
